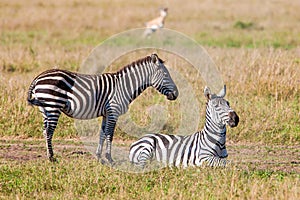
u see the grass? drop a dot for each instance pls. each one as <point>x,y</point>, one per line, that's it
<point>257,55</point>
<point>81,178</point>
<point>243,25</point>
<point>273,87</point>
<point>249,39</point>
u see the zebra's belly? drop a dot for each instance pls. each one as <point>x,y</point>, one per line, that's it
<point>168,157</point>
<point>78,115</point>
<point>81,110</point>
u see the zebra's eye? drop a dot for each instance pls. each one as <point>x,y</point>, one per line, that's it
<point>214,103</point>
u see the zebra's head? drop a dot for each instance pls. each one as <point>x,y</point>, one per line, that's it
<point>161,79</point>
<point>219,109</point>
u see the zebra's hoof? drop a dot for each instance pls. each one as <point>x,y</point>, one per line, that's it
<point>52,159</point>
<point>102,161</point>
<point>108,157</point>
<point>98,157</point>
<point>105,162</point>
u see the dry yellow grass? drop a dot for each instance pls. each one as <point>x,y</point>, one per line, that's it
<point>263,82</point>
<point>255,45</point>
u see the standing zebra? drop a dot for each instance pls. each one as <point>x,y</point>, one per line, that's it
<point>157,23</point>
<point>206,146</point>
<point>83,96</point>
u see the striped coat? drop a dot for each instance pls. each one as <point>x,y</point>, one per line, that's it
<point>84,96</point>
<point>207,146</point>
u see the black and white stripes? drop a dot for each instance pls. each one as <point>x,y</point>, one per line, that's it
<point>83,96</point>
<point>204,147</point>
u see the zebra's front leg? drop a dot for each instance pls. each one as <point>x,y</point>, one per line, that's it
<point>102,137</point>
<point>109,132</point>
<point>215,161</point>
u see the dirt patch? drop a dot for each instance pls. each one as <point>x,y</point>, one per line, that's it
<point>273,158</point>
<point>26,150</point>
<point>249,156</point>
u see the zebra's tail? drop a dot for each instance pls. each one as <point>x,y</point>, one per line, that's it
<point>30,99</point>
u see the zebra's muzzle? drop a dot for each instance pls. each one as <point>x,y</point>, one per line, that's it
<point>172,95</point>
<point>233,119</point>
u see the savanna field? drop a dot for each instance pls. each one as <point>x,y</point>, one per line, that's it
<point>255,46</point>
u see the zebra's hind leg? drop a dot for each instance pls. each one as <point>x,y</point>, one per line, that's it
<point>48,138</point>
<point>50,122</point>
<point>145,157</point>
<point>141,153</point>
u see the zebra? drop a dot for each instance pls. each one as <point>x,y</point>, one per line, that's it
<point>157,23</point>
<point>83,96</point>
<point>206,147</point>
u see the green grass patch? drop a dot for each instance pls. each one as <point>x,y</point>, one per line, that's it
<point>81,178</point>
<point>249,39</point>
<point>243,25</point>
<point>224,39</point>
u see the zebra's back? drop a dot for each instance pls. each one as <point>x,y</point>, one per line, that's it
<point>77,95</point>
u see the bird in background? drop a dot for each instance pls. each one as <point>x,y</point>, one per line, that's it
<point>157,23</point>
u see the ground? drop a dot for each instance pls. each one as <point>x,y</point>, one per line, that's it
<point>244,156</point>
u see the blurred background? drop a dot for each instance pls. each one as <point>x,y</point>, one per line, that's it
<point>254,44</point>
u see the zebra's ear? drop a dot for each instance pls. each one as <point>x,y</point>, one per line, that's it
<point>154,57</point>
<point>222,93</point>
<point>207,93</point>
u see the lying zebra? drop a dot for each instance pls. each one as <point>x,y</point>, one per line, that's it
<point>207,146</point>
<point>83,96</point>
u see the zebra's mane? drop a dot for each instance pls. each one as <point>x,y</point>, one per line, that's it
<point>140,62</point>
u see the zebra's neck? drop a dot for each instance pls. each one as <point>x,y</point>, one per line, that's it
<point>135,78</point>
<point>216,133</point>
<point>212,128</point>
